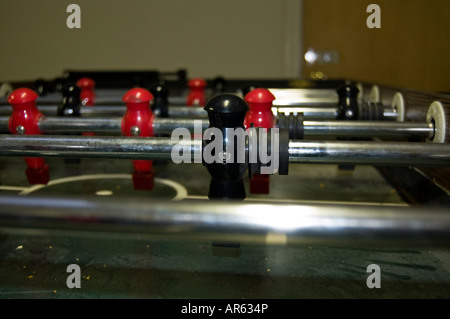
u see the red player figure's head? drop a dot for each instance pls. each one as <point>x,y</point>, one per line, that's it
<point>86,83</point>
<point>137,95</point>
<point>259,96</point>
<point>22,96</point>
<point>260,104</point>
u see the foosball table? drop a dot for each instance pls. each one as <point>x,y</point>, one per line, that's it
<point>157,185</point>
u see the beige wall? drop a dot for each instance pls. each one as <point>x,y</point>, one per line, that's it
<point>232,38</point>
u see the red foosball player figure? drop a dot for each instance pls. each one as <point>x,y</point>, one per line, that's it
<point>260,114</point>
<point>87,95</point>
<point>24,120</point>
<point>138,121</point>
<point>197,95</point>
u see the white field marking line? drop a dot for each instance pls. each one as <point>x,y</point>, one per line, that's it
<point>301,201</point>
<point>73,179</point>
<point>12,188</point>
<point>181,191</point>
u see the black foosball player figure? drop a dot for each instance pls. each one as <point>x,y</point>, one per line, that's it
<point>41,87</point>
<point>347,110</point>
<point>160,102</point>
<point>225,112</point>
<point>219,85</point>
<point>70,107</point>
<point>160,106</point>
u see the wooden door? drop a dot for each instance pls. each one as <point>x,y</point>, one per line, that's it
<point>411,49</point>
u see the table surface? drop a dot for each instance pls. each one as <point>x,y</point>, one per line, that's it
<point>34,265</point>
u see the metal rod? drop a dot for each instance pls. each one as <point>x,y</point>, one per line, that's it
<point>4,123</point>
<point>74,125</point>
<point>187,111</point>
<point>305,97</point>
<point>369,153</point>
<point>136,148</point>
<point>326,113</point>
<point>113,125</point>
<point>110,99</point>
<point>118,110</point>
<point>311,97</point>
<point>309,113</point>
<point>56,98</point>
<point>167,125</point>
<point>368,129</point>
<point>304,152</point>
<point>108,125</point>
<point>114,110</point>
<point>236,221</point>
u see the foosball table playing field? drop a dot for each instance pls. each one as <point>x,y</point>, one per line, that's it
<point>156,185</point>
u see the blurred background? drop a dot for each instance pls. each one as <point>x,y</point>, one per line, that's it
<point>234,39</point>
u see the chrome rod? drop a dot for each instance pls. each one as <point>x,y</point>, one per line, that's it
<point>368,129</point>
<point>110,99</point>
<point>4,124</point>
<point>74,125</point>
<point>236,221</point>
<point>304,152</point>
<point>114,110</point>
<point>102,110</point>
<point>167,125</point>
<point>283,96</point>
<point>108,125</point>
<point>111,147</point>
<point>369,153</point>
<point>309,113</point>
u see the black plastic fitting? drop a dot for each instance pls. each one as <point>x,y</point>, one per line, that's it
<point>71,101</point>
